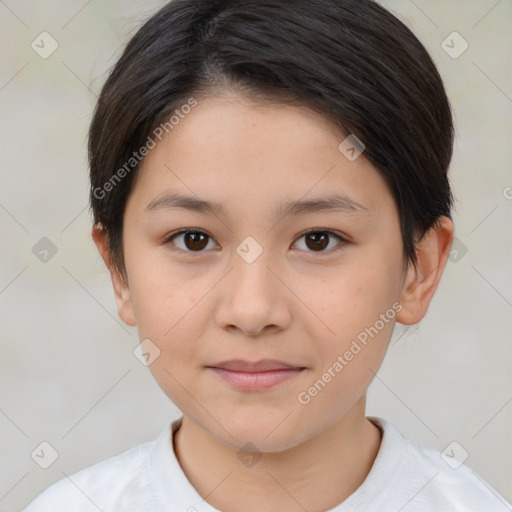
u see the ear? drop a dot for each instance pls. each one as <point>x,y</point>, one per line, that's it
<point>121,288</point>
<point>422,278</point>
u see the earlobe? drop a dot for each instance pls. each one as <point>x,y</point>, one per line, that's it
<point>121,288</point>
<point>423,277</point>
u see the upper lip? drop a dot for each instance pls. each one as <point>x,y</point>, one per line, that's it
<point>265,365</point>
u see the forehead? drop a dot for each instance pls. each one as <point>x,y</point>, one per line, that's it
<point>229,130</point>
<point>230,148</point>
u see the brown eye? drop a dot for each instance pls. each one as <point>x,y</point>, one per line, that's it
<point>191,241</point>
<point>318,241</point>
<point>197,241</point>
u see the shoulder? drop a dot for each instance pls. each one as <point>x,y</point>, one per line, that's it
<point>99,486</point>
<point>430,479</point>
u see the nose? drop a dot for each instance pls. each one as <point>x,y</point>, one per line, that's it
<point>254,298</point>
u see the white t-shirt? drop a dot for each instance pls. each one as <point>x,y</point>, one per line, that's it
<point>405,477</point>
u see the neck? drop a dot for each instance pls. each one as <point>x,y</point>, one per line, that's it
<point>316,475</point>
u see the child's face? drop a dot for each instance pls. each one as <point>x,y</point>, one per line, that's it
<point>302,301</point>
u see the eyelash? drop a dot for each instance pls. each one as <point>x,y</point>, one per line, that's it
<point>342,240</point>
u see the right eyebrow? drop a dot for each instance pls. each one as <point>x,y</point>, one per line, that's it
<point>173,201</point>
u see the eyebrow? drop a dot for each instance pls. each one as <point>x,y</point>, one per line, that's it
<point>333,202</point>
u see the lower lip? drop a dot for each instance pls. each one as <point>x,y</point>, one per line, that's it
<point>256,380</point>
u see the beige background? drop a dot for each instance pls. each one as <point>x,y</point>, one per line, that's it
<point>67,372</point>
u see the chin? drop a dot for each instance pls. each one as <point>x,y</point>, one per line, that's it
<point>269,431</point>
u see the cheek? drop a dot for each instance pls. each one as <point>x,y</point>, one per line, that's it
<point>359,307</point>
<point>348,360</point>
<point>159,295</point>
<point>353,298</point>
<point>165,304</point>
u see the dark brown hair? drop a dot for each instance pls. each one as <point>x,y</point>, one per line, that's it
<point>350,60</point>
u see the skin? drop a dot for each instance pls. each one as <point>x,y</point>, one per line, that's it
<point>293,303</point>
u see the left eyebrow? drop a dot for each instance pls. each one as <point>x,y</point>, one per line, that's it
<point>334,202</point>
